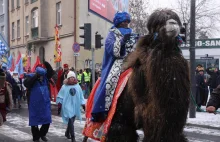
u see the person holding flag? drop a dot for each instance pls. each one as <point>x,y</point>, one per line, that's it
<point>17,89</point>
<point>17,82</point>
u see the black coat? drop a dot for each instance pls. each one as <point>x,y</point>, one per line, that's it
<point>63,77</point>
<point>213,81</point>
<point>215,98</point>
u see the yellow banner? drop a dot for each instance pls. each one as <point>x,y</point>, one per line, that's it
<point>57,50</point>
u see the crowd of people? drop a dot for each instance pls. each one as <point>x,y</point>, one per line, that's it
<point>41,87</point>
<point>69,87</point>
<point>208,83</point>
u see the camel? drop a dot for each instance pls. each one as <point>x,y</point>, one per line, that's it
<point>156,96</point>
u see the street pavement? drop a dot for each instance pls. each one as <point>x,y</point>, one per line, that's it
<point>16,129</point>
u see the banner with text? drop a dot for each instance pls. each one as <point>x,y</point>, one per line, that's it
<point>108,8</point>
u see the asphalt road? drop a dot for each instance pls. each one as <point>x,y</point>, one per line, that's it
<point>16,129</point>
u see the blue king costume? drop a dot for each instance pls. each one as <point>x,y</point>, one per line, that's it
<point>116,49</point>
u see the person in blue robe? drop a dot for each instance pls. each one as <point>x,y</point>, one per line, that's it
<point>119,43</point>
<point>71,97</point>
<point>39,105</point>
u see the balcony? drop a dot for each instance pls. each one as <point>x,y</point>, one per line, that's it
<point>36,37</point>
<point>34,33</point>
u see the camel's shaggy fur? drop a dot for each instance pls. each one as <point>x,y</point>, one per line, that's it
<point>156,97</point>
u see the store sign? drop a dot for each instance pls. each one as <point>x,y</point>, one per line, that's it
<point>205,43</point>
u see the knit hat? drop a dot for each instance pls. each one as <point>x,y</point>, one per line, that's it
<point>41,71</point>
<point>121,17</point>
<point>200,69</point>
<point>71,74</point>
<point>65,66</point>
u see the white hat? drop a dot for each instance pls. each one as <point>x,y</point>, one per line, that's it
<point>71,74</point>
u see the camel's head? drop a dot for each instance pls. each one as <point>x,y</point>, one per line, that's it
<point>164,23</point>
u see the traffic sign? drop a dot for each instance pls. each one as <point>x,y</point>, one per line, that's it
<point>76,47</point>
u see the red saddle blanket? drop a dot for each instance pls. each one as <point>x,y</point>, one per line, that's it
<point>98,130</point>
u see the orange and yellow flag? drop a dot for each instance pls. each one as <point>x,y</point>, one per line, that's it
<point>57,50</point>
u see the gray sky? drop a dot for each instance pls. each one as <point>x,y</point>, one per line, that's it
<point>154,4</point>
<point>162,3</point>
<point>167,3</point>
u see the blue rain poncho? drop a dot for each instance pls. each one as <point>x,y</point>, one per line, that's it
<point>71,97</point>
<point>39,100</point>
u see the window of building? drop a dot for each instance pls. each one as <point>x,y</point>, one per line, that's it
<point>3,30</point>
<point>18,3</point>
<point>12,4</point>
<point>18,28</point>
<point>27,25</point>
<point>13,30</point>
<point>1,7</point>
<point>26,1</point>
<point>32,1</point>
<point>35,18</point>
<point>58,13</point>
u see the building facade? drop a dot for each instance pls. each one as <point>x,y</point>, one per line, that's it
<point>4,19</point>
<point>32,30</point>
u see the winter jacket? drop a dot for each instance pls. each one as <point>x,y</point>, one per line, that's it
<point>213,82</point>
<point>215,98</point>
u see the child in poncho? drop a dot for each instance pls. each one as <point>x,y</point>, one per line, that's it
<point>71,98</point>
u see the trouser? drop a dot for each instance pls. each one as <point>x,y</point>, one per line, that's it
<point>37,133</point>
<point>70,127</point>
<point>59,108</point>
<point>87,90</point>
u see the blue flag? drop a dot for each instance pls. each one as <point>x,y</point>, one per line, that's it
<point>3,48</point>
<point>9,61</point>
<point>19,67</point>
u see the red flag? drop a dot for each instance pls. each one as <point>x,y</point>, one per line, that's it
<point>12,65</point>
<point>36,63</point>
<point>18,58</point>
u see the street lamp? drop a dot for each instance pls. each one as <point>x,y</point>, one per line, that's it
<point>192,110</point>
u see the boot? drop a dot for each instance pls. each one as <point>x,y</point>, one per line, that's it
<point>44,138</point>
<point>73,139</point>
<point>85,139</point>
<point>67,135</point>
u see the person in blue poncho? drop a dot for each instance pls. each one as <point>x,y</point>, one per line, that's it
<point>39,101</point>
<point>119,43</point>
<point>71,97</point>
